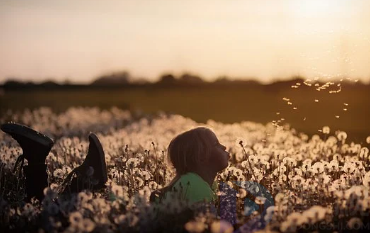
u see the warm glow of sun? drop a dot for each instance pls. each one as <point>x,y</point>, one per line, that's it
<point>318,8</point>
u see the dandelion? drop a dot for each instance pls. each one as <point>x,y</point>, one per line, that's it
<point>287,226</point>
<point>120,219</point>
<point>82,197</point>
<point>364,152</point>
<point>87,225</point>
<point>318,167</point>
<point>366,181</point>
<point>326,130</point>
<point>153,185</point>
<point>28,209</point>
<point>75,218</point>
<point>145,175</point>
<point>341,136</point>
<point>348,167</point>
<point>58,173</point>
<point>279,197</point>
<point>145,192</point>
<point>132,162</point>
<point>297,218</point>
<point>117,190</point>
<point>195,226</point>
<point>221,226</point>
<point>139,182</point>
<point>355,223</point>
<point>316,213</point>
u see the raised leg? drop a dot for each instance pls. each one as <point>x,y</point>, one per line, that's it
<point>35,147</point>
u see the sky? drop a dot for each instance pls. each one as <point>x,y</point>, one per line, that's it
<point>79,40</point>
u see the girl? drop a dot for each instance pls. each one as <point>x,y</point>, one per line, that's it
<point>197,157</point>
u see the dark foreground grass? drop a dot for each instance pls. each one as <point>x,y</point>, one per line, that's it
<point>225,104</point>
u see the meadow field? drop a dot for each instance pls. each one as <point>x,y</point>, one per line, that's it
<point>319,181</point>
<point>305,109</point>
<point>318,184</point>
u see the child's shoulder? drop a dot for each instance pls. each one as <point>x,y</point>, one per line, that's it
<point>194,188</point>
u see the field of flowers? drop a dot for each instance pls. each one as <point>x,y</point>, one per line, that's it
<point>318,184</point>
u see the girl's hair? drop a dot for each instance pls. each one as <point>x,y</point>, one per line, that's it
<point>187,148</point>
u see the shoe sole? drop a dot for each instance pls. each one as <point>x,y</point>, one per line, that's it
<point>24,131</point>
<point>93,138</point>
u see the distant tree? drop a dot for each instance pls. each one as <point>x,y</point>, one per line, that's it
<point>29,84</point>
<point>13,83</point>
<point>67,81</point>
<point>140,81</point>
<point>116,78</point>
<point>167,79</point>
<point>191,79</point>
<point>49,83</point>
<point>222,80</point>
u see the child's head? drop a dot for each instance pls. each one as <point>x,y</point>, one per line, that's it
<point>197,148</point>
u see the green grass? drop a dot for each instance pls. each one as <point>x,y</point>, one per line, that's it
<point>226,104</point>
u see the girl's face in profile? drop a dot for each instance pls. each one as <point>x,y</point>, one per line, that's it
<point>219,157</point>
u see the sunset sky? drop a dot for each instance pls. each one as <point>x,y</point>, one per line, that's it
<point>267,39</point>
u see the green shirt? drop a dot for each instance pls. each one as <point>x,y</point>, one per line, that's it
<point>194,189</point>
<point>190,188</point>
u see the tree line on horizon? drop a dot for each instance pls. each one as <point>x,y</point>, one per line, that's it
<point>124,78</point>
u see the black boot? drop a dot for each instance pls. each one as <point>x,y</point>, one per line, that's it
<point>36,180</point>
<point>35,147</point>
<point>92,173</point>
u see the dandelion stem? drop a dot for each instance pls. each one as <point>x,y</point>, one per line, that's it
<point>249,163</point>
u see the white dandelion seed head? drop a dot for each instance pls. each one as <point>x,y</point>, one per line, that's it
<point>221,226</point>
<point>195,226</point>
